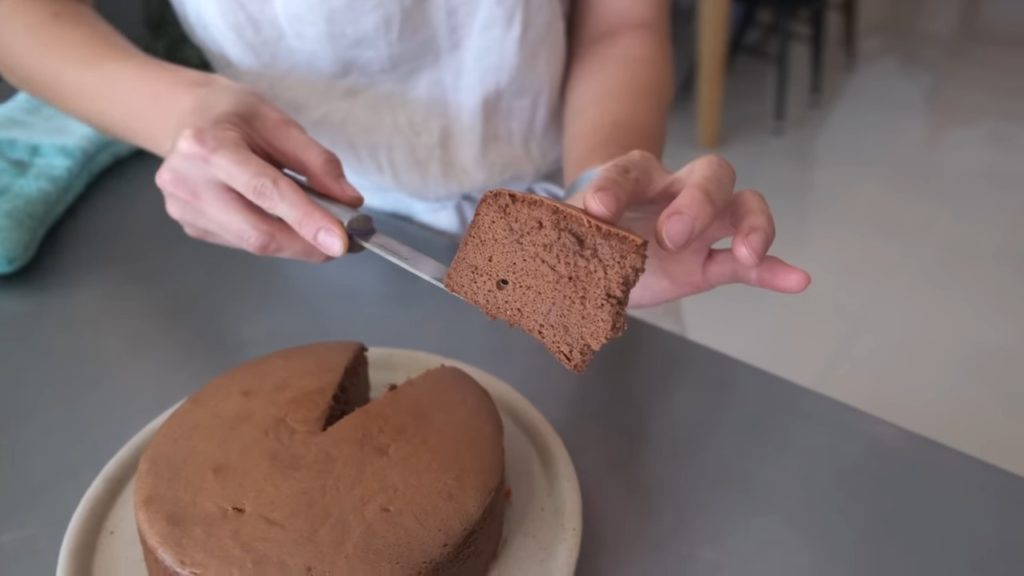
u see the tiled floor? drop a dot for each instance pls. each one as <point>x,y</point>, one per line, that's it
<point>903,194</point>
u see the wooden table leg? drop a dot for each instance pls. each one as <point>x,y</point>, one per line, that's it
<point>712,46</point>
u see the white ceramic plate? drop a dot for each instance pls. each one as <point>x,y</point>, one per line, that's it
<point>543,521</point>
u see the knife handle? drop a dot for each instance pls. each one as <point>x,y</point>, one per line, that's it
<point>347,215</point>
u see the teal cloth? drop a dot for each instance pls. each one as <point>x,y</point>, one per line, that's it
<point>47,159</point>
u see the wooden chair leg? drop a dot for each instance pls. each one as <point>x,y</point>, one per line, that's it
<point>712,53</point>
<point>739,36</point>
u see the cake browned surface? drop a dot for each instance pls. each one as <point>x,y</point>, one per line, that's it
<point>549,269</point>
<point>281,467</point>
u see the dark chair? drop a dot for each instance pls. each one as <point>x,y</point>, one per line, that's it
<point>780,21</point>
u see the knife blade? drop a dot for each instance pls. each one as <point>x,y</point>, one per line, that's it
<point>363,234</point>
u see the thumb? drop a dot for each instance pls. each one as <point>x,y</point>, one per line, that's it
<point>633,178</point>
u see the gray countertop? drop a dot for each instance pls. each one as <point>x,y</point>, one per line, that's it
<point>690,461</point>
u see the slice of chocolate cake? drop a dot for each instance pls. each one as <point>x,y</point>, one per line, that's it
<point>549,269</point>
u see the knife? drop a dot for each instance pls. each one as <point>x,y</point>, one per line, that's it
<point>363,234</point>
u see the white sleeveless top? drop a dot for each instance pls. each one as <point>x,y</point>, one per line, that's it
<point>427,102</point>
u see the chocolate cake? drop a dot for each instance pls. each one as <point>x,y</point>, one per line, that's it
<point>549,269</point>
<point>282,466</point>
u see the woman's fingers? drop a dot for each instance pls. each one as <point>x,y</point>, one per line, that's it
<point>698,194</point>
<point>751,218</point>
<point>212,212</point>
<point>289,145</point>
<point>205,235</point>
<point>228,219</point>
<point>629,179</point>
<point>197,182</point>
<point>692,209</point>
<point>771,273</point>
<point>222,179</point>
<point>269,189</point>
<point>702,191</point>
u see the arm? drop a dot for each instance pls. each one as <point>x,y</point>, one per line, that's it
<point>65,53</point>
<point>223,144</point>
<point>620,81</point>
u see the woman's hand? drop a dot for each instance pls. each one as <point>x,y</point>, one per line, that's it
<point>222,178</point>
<point>683,214</point>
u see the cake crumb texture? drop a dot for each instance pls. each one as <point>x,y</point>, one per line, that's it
<point>549,269</point>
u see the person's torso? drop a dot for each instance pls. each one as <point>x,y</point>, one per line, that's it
<point>433,99</point>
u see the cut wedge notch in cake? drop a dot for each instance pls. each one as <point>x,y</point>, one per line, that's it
<point>549,269</point>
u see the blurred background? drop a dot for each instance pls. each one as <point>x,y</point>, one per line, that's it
<point>888,135</point>
<point>902,191</point>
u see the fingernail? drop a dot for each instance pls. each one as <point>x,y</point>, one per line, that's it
<point>605,201</point>
<point>329,241</point>
<point>676,231</point>
<point>757,244</point>
<point>354,194</point>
